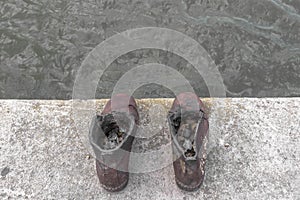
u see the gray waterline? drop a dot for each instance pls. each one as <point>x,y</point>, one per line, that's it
<point>254,43</point>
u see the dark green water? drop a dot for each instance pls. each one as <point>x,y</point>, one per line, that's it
<point>254,43</point>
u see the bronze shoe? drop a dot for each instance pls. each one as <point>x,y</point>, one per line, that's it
<point>111,136</point>
<point>188,124</point>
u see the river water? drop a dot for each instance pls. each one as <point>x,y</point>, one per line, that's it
<point>255,44</point>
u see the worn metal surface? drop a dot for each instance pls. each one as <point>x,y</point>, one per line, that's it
<point>254,152</point>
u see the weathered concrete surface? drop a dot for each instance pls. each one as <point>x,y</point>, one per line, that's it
<point>254,152</point>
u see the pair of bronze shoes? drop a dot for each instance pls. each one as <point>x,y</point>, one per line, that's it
<point>112,134</point>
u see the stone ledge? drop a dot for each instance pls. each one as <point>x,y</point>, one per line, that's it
<point>254,151</point>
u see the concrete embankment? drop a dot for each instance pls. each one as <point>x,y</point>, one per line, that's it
<point>254,151</point>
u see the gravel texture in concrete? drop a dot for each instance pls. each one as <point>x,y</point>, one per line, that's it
<point>254,151</point>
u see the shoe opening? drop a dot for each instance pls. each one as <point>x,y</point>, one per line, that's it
<point>185,126</point>
<point>115,128</point>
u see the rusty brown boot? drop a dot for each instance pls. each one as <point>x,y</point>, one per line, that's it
<point>111,136</point>
<point>189,130</point>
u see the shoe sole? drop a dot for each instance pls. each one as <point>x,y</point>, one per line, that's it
<point>189,188</point>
